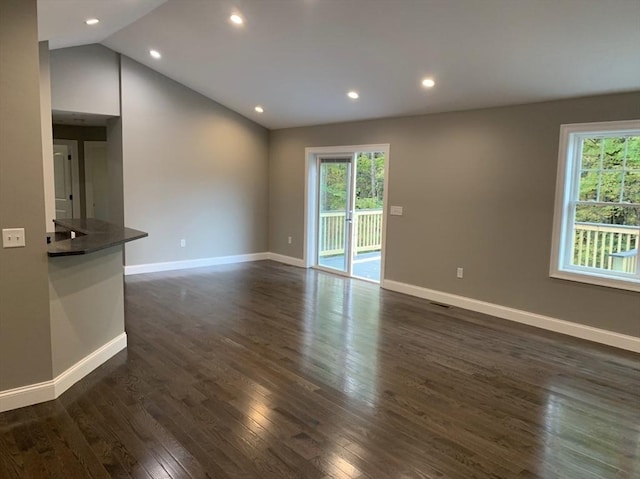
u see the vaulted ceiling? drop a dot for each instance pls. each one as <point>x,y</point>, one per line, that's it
<point>299,58</point>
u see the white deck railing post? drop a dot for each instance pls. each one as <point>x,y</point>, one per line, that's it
<point>600,245</point>
<point>367,231</point>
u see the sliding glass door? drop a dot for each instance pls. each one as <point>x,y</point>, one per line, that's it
<point>350,190</point>
<point>335,213</point>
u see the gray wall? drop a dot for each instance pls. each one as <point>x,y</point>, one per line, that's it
<point>87,304</point>
<point>114,166</point>
<point>80,133</point>
<point>192,169</point>
<point>25,345</point>
<point>85,79</point>
<point>47,140</point>
<point>477,189</point>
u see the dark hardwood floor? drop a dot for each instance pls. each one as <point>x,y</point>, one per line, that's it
<point>267,371</point>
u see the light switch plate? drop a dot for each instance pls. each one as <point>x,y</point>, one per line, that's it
<point>396,211</point>
<point>13,238</point>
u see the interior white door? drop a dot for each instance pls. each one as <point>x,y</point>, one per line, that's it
<point>62,181</point>
<point>96,179</point>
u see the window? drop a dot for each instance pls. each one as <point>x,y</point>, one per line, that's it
<point>596,232</point>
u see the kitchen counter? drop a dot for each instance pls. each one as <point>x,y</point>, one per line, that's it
<point>86,295</point>
<point>91,235</point>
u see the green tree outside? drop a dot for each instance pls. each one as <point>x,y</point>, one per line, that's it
<point>369,184</point>
<point>610,178</point>
<point>610,173</point>
<point>369,181</point>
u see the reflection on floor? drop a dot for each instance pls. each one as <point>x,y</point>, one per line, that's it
<point>261,370</point>
<point>365,265</point>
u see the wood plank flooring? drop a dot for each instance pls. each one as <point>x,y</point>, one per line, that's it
<point>263,370</point>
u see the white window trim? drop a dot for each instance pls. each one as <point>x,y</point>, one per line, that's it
<point>561,239</point>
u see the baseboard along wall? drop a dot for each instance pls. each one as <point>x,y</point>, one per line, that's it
<point>603,336</point>
<point>193,263</point>
<point>49,390</point>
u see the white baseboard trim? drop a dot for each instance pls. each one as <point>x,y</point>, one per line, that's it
<point>49,390</point>
<point>610,338</point>
<point>26,396</point>
<point>280,258</point>
<point>86,365</point>
<point>219,260</point>
<point>193,263</point>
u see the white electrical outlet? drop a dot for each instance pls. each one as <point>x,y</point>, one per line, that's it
<point>289,240</point>
<point>183,243</point>
<point>460,273</point>
<point>13,238</point>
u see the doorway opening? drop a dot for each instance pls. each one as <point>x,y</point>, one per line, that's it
<point>66,184</point>
<point>345,210</point>
<point>93,142</point>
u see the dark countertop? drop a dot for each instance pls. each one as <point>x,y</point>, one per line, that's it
<point>91,235</point>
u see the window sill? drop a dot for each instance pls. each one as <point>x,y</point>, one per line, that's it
<point>628,284</point>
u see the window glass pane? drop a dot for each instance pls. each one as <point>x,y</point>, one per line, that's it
<point>588,186</point>
<point>334,203</point>
<point>632,187</point>
<point>606,238</point>
<point>619,215</point>
<point>610,186</point>
<point>614,152</point>
<point>633,153</point>
<point>591,148</point>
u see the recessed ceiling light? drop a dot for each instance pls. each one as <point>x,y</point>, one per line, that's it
<point>237,19</point>
<point>259,109</point>
<point>155,54</point>
<point>428,83</point>
<point>353,95</point>
<point>92,21</point>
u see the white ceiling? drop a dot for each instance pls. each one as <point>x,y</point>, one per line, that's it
<point>298,58</point>
<point>62,21</point>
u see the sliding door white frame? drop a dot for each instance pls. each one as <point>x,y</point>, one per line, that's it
<point>311,195</point>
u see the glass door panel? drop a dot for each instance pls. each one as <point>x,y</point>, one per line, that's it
<point>368,215</point>
<point>334,214</point>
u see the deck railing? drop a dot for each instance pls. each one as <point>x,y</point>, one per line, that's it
<point>612,247</point>
<point>367,229</point>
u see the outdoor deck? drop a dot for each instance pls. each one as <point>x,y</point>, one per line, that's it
<point>598,246</point>
<point>365,265</point>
